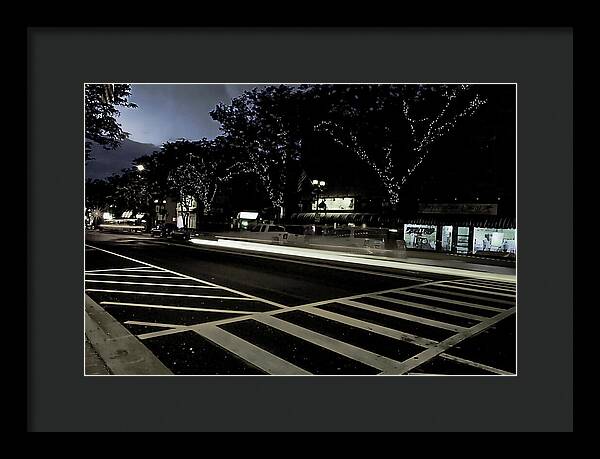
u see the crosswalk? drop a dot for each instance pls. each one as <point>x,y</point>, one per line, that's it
<point>195,326</point>
<point>413,324</point>
<point>141,291</point>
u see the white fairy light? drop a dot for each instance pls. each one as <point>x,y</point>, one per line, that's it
<point>433,130</point>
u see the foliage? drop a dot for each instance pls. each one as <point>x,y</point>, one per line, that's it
<point>101,126</point>
<point>392,128</point>
<point>263,124</point>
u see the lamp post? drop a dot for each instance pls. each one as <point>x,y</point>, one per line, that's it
<point>319,185</point>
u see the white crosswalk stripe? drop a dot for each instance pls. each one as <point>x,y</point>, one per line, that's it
<point>475,304</point>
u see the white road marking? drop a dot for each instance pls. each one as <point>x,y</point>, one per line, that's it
<point>249,352</point>
<point>170,294</point>
<point>272,303</point>
<point>504,285</point>
<point>360,295</point>
<point>234,343</point>
<point>460,287</point>
<point>155,271</point>
<point>426,307</point>
<point>347,350</point>
<point>183,308</point>
<point>484,287</point>
<point>403,315</point>
<point>355,322</point>
<point>475,364</point>
<point>450,301</point>
<point>368,326</point>
<point>150,283</point>
<point>134,275</point>
<point>443,346</point>
<point>105,270</point>
<point>465,295</point>
<point>152,324</point>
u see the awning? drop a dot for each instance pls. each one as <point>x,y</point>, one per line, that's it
<point>481,221</point>
<point>337,217</point>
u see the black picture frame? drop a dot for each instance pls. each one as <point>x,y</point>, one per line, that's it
<point>60,60</point>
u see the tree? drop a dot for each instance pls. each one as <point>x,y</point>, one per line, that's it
<point>198,169</point>
<point>391,128</point>
<point>263,124</point>
<point>101,126</point>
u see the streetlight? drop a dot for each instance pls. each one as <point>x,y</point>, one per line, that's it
<point>140,167</point>
<point>319,185</point>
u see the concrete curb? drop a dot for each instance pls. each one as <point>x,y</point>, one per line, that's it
<point>122,352</point>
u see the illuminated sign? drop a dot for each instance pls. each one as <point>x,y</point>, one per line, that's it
<point>248,215</point>
<point>189,204</point>
<point>336,204</point>
<point>482,209</point>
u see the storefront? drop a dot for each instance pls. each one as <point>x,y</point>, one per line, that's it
<point>186,213</point>
<point>422,237</point>
<point>495,240</point>
<point>484,235</point>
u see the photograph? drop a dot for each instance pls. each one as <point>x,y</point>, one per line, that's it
<point>300,229</point>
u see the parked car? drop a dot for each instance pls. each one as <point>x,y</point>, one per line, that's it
<point>163,230</point>
<point>181,234</point>
<point>269,232</point>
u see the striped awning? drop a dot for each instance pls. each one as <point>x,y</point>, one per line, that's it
<point>478,221</point>
<point>337,217</point>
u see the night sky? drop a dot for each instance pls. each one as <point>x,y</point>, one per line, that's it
<point>170,111</point>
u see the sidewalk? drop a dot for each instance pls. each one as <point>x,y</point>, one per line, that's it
<point>94,365</point>
<point>111,349</point>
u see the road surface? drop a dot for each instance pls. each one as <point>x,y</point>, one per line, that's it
<point>205,310</point>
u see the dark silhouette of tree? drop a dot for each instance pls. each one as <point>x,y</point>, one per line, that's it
<point>392,128</point>
<point>263,125</point>
<point>101,112</point>
<point>197,169</point>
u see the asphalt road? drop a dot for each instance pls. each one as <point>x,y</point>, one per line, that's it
<point>204,310</point>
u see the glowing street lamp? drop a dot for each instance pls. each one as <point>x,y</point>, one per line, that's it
<point>318,185</point>
<point>140,167</point>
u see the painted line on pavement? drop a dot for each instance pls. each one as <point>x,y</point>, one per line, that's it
<point>252,354</point>
<point>403,315</point>
<point>152,324</point>
<point>427,307</point>
<point>182,308</point>
<point>480,290</point>
<point>151,283</point>
<point>134,275</point>
<point>443,346</point>
<point>465,295</point>
<point>272,303</point>
<point>450,301</point>
<point>474,364</point>
<point>339,347</point>
<point>170,294</point>
<point>344,319</point>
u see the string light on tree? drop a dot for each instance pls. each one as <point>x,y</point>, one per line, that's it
<point>424,132</point>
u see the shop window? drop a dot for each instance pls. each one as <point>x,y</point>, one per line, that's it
<point>462,240</point>
<point>446,238</point>
<point>495,240</point>
<point>420,236</point>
